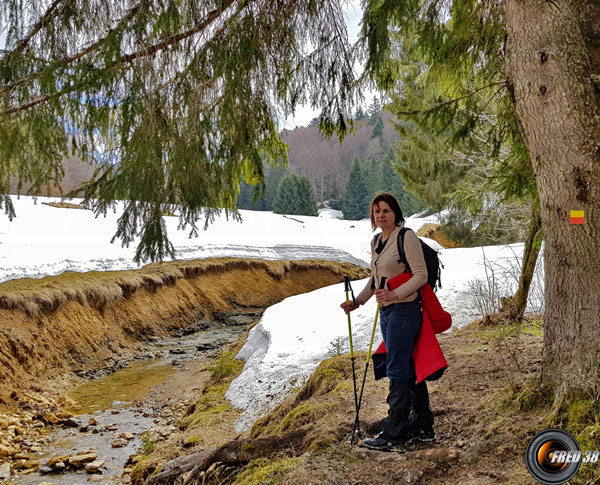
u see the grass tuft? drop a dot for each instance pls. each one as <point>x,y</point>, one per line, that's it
<point>263,471</point>
<point>225,366</point>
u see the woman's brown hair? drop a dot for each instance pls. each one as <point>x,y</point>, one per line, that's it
<point>390,200</point>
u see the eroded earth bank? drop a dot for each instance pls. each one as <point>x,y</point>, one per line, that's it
<point>166,327</point>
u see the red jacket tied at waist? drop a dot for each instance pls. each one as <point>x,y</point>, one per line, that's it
<point>427,354</point>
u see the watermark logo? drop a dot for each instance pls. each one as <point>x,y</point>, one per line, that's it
<point>553,456</point>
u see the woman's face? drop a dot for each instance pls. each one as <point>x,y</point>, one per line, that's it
<point>384,216</point>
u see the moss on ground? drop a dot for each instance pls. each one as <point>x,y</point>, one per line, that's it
<point>225,366</point>
<point>581,418</point>
<point>527,395</point>
<point>264,471</point>
<point>531,326</point>
<point>304,408</point>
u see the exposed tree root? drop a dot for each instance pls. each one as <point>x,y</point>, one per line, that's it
<point>235,452</point>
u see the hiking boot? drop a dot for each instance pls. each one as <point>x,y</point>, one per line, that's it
<point>382,442</point>
<point>421,435</point>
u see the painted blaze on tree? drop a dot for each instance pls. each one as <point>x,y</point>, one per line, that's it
<point>175,101</point>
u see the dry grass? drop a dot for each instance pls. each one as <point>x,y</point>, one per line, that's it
<point>64,205</point>
<point>76,321</point>
<point>434,231</point>
<point>35,297</point>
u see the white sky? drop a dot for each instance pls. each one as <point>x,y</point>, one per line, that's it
<point>353,16</point>
<point>294,335</point>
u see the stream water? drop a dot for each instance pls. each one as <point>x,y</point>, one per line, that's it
<point>116,404</point>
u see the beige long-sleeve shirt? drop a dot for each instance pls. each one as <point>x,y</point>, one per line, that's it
<point>386,264</point>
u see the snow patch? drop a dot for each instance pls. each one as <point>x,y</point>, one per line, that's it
<point>289,343</point>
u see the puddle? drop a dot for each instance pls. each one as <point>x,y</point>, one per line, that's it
<point>126,385</point>
<point>116,403</point>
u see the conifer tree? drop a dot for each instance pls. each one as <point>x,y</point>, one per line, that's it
<point>377,128</point>
<point>357,196</point>
<point>374,107</point>
<point>389,180</point>
<point>249,199</point>
<point>176,101</point>
<point>336,202</point>
<point>536,64</point>
<point>360,114</point>
<point>287,199</point>
<point>306,193</point>
<point>273,177</point>
<point>295,195</point>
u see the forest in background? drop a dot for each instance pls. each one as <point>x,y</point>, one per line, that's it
<point>75,171</point>
<point>324,162</point>
<point>327,164</point>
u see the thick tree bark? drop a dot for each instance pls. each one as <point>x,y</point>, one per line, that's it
<point>551,73</point>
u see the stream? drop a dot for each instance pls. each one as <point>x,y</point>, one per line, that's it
<point>112,412</point>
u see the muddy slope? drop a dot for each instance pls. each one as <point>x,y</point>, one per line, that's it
<point>57,325</point>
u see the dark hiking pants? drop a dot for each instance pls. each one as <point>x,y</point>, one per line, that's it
<point>400,325</point>
<point>421,416</point>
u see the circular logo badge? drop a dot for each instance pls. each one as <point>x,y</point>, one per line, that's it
<point>553,456</point>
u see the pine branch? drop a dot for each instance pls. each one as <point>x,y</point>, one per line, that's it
<point>175,39</point>
<point>452,101</point>
<point>127,59</point>
<point>50,14</point>
<point>69,60</point>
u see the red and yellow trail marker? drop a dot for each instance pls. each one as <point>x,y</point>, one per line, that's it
<point>577,217</point>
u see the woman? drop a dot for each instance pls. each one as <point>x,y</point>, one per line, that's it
<point>400,320</point>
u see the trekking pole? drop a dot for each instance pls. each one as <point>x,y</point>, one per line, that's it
<point>362,387</point>
<point>347,288</point>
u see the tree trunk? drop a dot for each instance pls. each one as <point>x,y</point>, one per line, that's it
<point>551,75</point>
<point>517,304</point>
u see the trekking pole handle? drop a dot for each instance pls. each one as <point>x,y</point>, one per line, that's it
<point>382,283</point>
<point>348,288</point>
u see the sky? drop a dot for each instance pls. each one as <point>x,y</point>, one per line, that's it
<point>293,336</point>
<point>353,17</point>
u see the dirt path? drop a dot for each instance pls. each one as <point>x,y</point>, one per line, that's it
<point>485,416</point>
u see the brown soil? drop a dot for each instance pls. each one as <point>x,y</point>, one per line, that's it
<point>488,404</point>
<point>54,326</point>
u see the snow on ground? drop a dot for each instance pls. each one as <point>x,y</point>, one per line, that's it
<point>294,335</point>
<point>44,240</point>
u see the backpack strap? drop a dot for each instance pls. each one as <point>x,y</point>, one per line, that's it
<point>401,251</point>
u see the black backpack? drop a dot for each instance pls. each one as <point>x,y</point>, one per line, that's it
<point>432,260</point>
